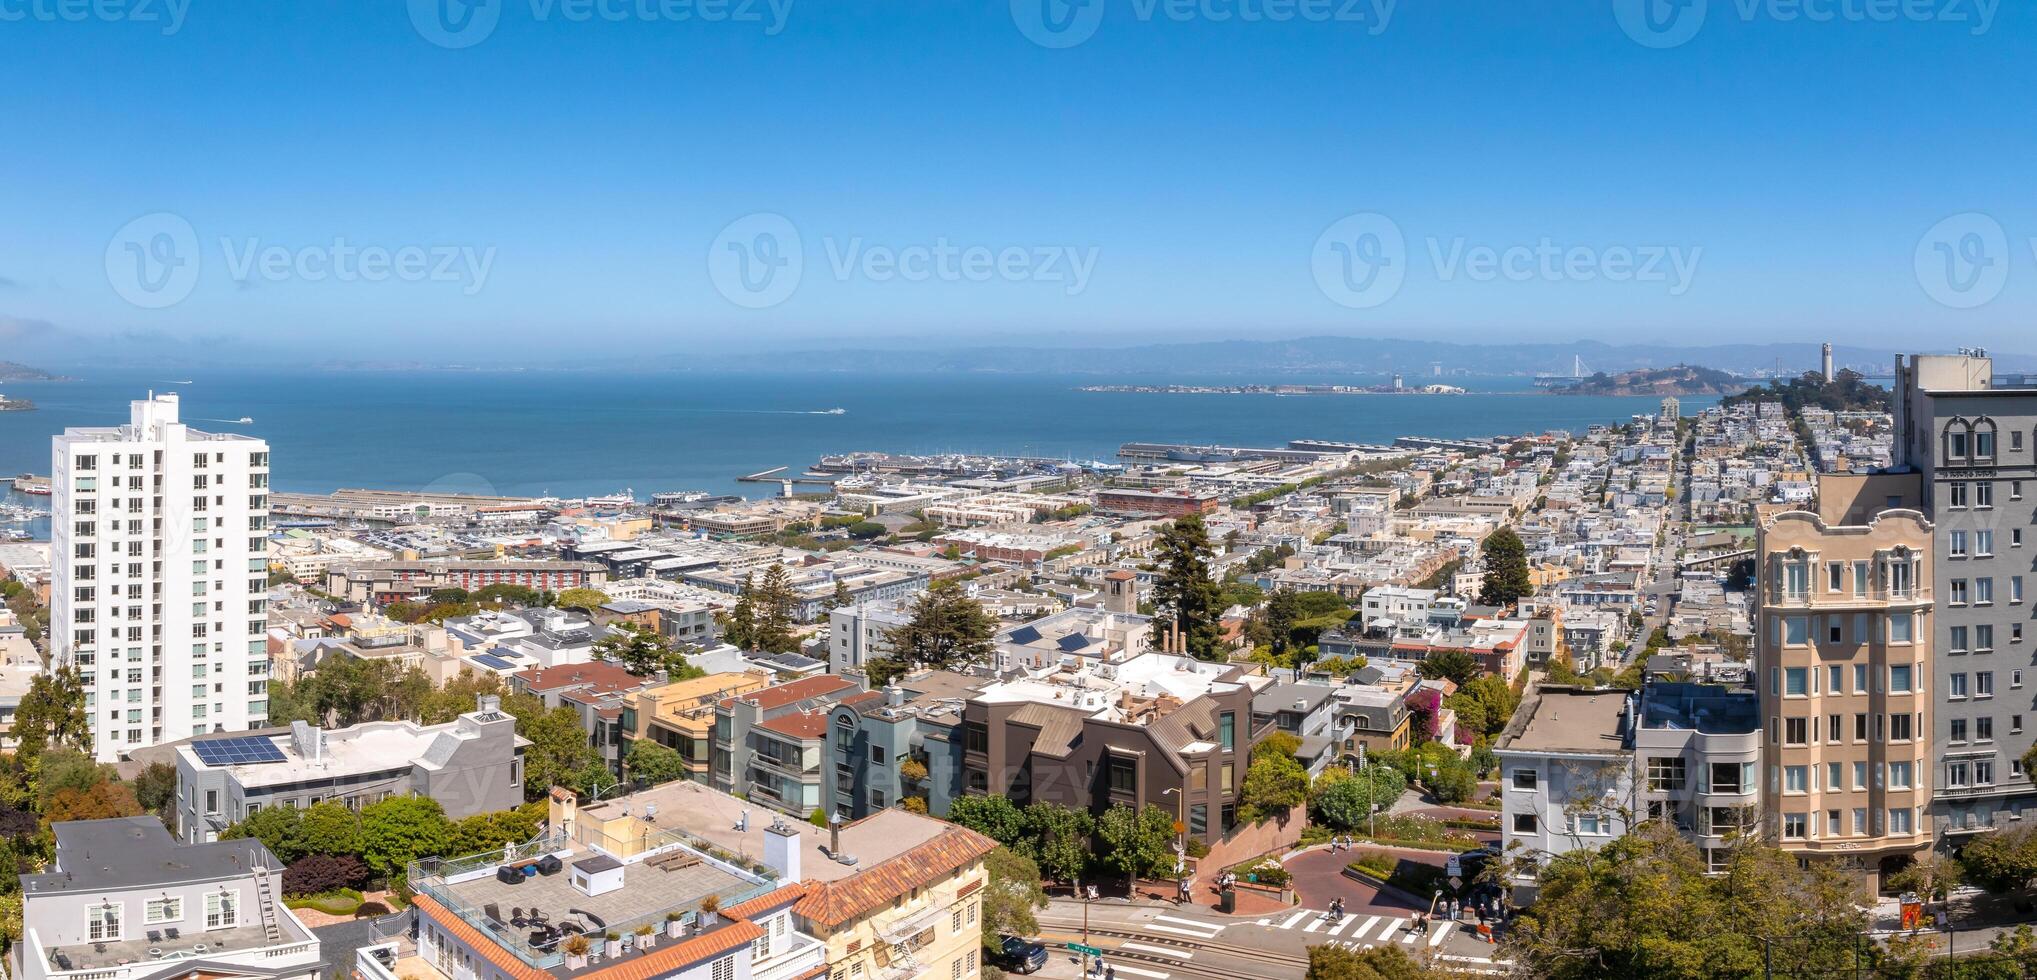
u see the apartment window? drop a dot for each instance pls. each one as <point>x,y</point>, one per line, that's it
<point>169,909</point>
<point>1984,591</point>
<point>1524,823</point>
<point>1984,683</point>
<point>2015,588</point>
<point>2015,678</point>
<point>1124,774</point>
<point>1835,776</point>
<point>1859,820</point>
<point>1955,774</point>
<point>1860,726</point>
<point>1899,728</point>
<point>1984,729</point>
<point>1860,775</point>
<point>1957,544</point>
<point>1958,490</point>
<point>1958,730</point>
<point>1984,493</point>
<point>1983,772</point>
<point>1834,728</point>
<point>1899,679</point>
<point>976,737</point>
<point>725,969</point>
<point>1728,777</point>
<point>1793,825</point>
<point>1524,779</point>
<point>1795,779</point>
<point>1835,679</point>
<point>1795,731</point>
<point>1227,724</point>
<point>1983,543</point>
<point>1898,775</point>
<point>1983,638</point>
<point>1665,774</point>
<point>1901,627</point>
<point>1955,686</point>
<point>2015,724</point>
<point>1958,596</point>
<point>1835,576</point>
<point>1795,681</point>
<point>1899,820</point>
<point>1796,630</point>
<point>1859,679</point>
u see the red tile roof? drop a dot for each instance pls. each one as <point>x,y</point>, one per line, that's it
<point>735,934</point>
<point>597,675</point>
<point>834,903</point>
<point>799,690</point>
<point>767,902</point>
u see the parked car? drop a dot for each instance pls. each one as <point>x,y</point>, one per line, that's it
<point>1020,955</point>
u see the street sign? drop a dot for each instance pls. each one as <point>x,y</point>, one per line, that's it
<point>1456,882</point>
<point>1085,950</point>
<point>1454,866</point>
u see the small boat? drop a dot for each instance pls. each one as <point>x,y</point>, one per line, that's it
<point>244,420</point>
<point>836,411</point>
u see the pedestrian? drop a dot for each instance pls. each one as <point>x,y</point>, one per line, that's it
<point>1110,973</point>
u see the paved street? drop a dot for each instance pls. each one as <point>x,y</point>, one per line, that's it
<point>1144,942</point>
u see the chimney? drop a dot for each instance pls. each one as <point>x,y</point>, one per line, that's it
<point>781,850</point>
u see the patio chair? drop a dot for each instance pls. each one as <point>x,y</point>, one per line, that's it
<point>155,935</point>
<point>170,934</point>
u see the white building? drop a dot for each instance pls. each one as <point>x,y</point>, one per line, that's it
<point>159,575</point>
<point>1566,775</point>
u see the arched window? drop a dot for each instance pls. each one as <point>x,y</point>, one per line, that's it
<point>1958,441</point>
<point>1984,440</point>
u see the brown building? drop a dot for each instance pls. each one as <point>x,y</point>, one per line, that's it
<point>1843,656</point>
<point>1164,503</point>
<point>1154,729</point>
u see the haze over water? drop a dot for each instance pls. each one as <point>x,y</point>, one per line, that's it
<point>581,433</point>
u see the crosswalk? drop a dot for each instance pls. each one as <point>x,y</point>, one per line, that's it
<point>1353,930</point>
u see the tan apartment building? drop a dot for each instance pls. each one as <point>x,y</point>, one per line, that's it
<point>917,915</point>
<point>1843,656</point>
<point>680,715</point>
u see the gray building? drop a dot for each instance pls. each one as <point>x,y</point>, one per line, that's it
<point>1306,711</point>
<point>126,901</point>
<point>1969,435</point>
<point>770,746</point>
<point>917,719</point>
<point>1566,775</point>
<point>1697,760</point>
<point>473,764</point>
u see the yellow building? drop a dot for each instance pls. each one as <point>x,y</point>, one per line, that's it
<point>916,915</point>
<point>680,715</point>
<point>1843,657</point>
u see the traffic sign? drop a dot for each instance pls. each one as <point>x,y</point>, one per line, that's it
<point>1085,950</point>
<point>1456,882</point>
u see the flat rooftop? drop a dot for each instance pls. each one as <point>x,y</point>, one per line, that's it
<point>1560,719</point>
<point>647,893</point>
<point>713,816</point>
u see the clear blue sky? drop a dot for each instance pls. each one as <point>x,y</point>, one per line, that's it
<point>1196,161</point>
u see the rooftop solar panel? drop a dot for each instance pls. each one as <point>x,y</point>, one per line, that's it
<point>240,751</point>
<point>1073,641</point>
<point>493,661</point>
<point>1025,634</point>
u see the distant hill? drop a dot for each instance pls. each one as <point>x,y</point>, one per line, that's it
<point>10,371</point>
<point>1846,392</point>
<point>1315,356</point>
<point>1682,379</point>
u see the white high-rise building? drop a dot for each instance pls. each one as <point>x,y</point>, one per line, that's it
<point>159,576</point>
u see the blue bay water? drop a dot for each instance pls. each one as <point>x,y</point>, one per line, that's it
<point>571,433</point>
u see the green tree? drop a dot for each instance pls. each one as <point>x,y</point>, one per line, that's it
<point>505,593</point>
<point>841,597</point>
<point>1455,665</point>
<point>401,829</point>
<point>774,602</point>
<point>559,748</point>
<point>1011,896</point>
<point>995,817</point>
<point>329,827</point>
<point>2003,861</point>
<point>279,828</point>
<point>1345,803</point>
<point>650,762</point>
<point>1283,609</point>
<point>642,651</point>
<point>1484,704</point>
<point>1059,838</point>
<point>1645,905</point>
<point>155,788</point>
<point>1185,593</point>
<point>948,630</point>
<point>583,599</point>
<point>51,714</point>
<point>1138,843</point>
<point>1389,962</point>
<point>1506,569</point>
<point>739,623</point>
<point>1275,782</point>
